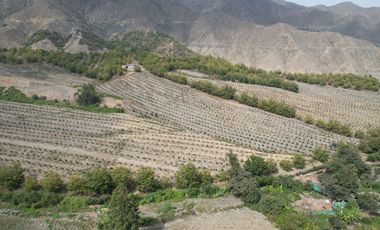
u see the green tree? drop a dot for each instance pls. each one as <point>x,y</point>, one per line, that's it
<point>52,182</point>
<point>188,176</point>
<point>12,176</point>
<point>299,161</point>
<point>87,95</point>
<point>257,166</point>
<point>123,212</point>
<point>244,186</point>
<point>76,184</point>
<point>123,177</point>
<point>368,202</point>
<point>99,181</point>
<point>146,180</point>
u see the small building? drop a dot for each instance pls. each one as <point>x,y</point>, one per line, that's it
<point>129,67</point>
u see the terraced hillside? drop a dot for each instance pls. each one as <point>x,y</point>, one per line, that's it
<point>159,98</point>
<point>47,138</point>
<point>361,109</point>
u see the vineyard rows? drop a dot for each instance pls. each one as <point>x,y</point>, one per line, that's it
<point>360,109</point>
<point>47,138</point>
<point>159,98</point>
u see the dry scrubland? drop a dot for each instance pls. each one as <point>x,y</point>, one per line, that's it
<point>159,98</point>
<point>360,109</point>
<point>47,138</point>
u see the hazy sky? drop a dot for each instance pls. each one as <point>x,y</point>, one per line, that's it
<point>363,3</point>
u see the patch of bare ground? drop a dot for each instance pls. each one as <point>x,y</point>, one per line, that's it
<point>239,219</point>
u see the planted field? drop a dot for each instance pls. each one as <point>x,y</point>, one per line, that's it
<point>159,98</point>
<point>360,109</point>
<point>41,79</point>
<point>47,138</point>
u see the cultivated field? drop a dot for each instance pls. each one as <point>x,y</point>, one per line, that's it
<point>361,109</point>
<point>47,138</point>
<point>42,80</point>
<point>164,100</point>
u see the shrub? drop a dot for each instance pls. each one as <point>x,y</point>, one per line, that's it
<point>295,220</point>
<point>188,176</point>
<point>335,223</point>
<point>72,204</point>
<point>257,166</point>
<point>299,161</point>
<point>273,205</point>
<point>123,177</point>
<point>52,182</point>
<point>243,185</point>
<point>369,203</point>
<point>145,180</point>
<point>286,165</point>
<point>349,214</point>
<point>11,176</point>
<point>321,155</point>
<point>309,119</point>
<point>206,177</point>
<point>76,184</point>
<point>123,212</point>
<point>374,157</point>
<point>87,95</point>
<point>31,184</point>
<point>99,181</point>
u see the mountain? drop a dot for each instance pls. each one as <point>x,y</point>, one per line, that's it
<point>271,34</point>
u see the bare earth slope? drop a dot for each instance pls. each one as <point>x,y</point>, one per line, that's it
<point>281,47</point>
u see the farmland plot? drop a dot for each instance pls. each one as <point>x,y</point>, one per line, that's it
<point>159,98</point>
<point>42,80</point>
<point>360,109</point>
<point>48,138</point>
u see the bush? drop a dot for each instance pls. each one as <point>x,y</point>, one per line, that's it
<point>123,212</point>
<point>273,204</point>
<point>35,199</point>
<point>31,184</point>
<point>321,155</point>
<point>188,176</point>
<point>257,166</point>
<point>87,95</point>
<point>99,181</point>
<point>243,185</point>
<point>335,223</point>
<point>52,182</point>
<point>286,165</point>
<point>145,180</point>
<point>369,203</point>
<point>12,176</point>
<point>295,220</point>
<point>72,204</point>
<point>76,184</point>
<point>206,177</point>
<point>299,161</point>
<point>123,177</point>
<point>374,157</point>
<point>309,119</point>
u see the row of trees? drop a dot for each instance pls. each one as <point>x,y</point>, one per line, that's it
<point>229,93</point>
<point>347,81</point>
<point>217,67</point>
<point>333,126</point>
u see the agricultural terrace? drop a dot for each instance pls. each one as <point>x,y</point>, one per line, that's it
<point>42,80</point>
<point>359,109</point>
<point>45,138</point>
<point>191,109</point>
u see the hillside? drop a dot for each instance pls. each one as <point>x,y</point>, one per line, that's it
<point>207,27</point>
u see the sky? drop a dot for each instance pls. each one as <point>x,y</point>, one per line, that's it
<point>363,3</point>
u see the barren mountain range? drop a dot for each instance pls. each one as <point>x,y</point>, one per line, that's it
<point>270,34</point>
